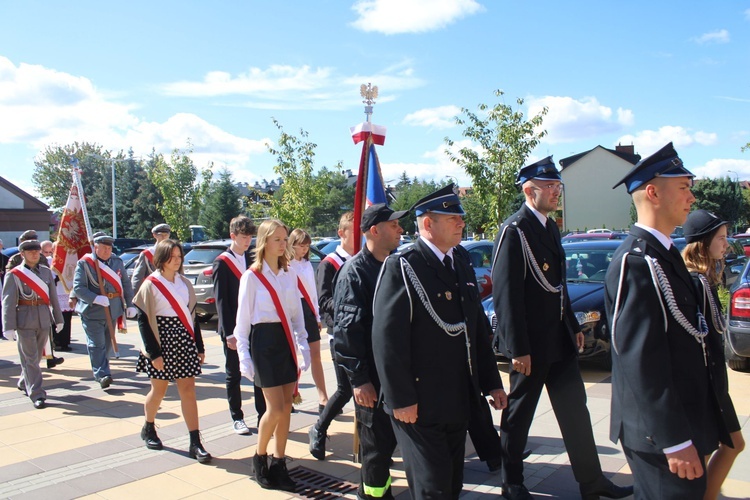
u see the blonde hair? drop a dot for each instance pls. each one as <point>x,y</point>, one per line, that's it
<point>346,221</point>
<point>697,259</point>
<point>299,237</point>
<point>266,229</point>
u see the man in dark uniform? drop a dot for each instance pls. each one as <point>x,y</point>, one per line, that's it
<point>542,336</point>
<point>144,266</point>
<point>432,350</point>
<point>117,295</point>
<point>352,299</point>
<point>30,308</point>
<point>664,405</point>
<point>227,271</point>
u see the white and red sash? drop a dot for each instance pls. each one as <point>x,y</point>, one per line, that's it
<point>149,254</point>
<point>107,273</point>
<point>305,295</point>
<point>229,261</point>
<point>33,281</point>
<point>165,287</point>
<point>334,259</point>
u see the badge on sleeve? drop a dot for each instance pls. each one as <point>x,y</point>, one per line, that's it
<point>448,295</point>
<point>545,266</point>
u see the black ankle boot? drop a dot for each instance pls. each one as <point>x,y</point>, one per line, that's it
<point>280,476</point>
<point>317,444</point>
<point>148,434</point>
<point>260,468</point>
<point>196,449</point>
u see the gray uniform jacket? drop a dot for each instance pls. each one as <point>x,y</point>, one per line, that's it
<point>143,268</point>
<point>17,317</point>
<point>86,288</point>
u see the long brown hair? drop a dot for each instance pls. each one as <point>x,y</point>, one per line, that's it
<point>697,259</point>
<point>163,252</point>
<point>299,237</point>
<point>266,229</point>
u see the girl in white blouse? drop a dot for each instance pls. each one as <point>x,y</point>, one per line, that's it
<point>269,324</point>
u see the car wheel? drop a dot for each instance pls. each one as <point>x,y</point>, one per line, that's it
<point>204,318</point>
<point>735,362</point>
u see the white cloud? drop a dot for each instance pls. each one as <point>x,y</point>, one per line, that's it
<point>747,14</point>
<point>289,87</point>
<point>440,117</point>
<point>718,36</point>
<point>411,16</point>
<point>723,167</point>
<point>570,119</point>
<point>649,141</point>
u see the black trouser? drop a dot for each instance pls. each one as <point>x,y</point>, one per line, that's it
<point>568,397</point>
<point>654,480</point>
<point>233,381</point>
<point>433,457</point>
<point>482,431</point>
<point>376,445</point>
<point>62,336</point>
<point>339,399</point>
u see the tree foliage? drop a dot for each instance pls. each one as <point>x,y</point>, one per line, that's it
<point>723,197</point>
<point>221,205</point>
<point>407,192</point>
<point>502,140</point>
<point>338,197</point>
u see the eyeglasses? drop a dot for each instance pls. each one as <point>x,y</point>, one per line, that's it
<point>552,187</point>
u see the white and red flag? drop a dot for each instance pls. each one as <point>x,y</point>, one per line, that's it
<point>72,240</point>
<point>370,189</point>
<point>366,129</point>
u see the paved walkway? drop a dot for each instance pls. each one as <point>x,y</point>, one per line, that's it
<point>86,443</point>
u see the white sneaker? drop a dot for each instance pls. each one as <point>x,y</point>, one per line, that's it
<point>240,427</point>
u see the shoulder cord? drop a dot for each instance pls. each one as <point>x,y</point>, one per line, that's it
<point>531,262</point>
<point>452,329</point>
<point>19,287</point>
<point>616,312</point>
<point>716,316</point>
<point>92,279</point>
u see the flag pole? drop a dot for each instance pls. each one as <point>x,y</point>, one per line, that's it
<point>84,211</point>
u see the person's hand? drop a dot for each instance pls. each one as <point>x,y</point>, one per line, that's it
<point>498,399</point>
<point>246,369</point>
<point>59,326</point>
<point>580,341</point>
<point>365,395</point>
<point>131,312</point>
<point>232,343</point>
<point>102,300</point>
<point>406,415</point>
<point>201,357</point>
<point>158,363</point>
<point>522,364</point>
<point>685,463</point>
<point>305,364</point>
<point>72,301</point>
<point>320,326</point>
<point>9,334</point>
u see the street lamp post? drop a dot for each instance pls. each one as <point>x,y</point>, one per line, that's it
<point>736,191</point>
<point>112,162</point>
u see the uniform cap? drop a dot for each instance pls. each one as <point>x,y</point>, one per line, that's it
<point>663,163</point>
<point>104,239</point>
<point>700,223</point>
<point>161,228</point>
<point>28,235</point>
<point>442,201</point>
<point>29,245</point>
<point>378,213</point>
<point>542,170</point>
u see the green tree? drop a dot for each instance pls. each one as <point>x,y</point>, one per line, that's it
<point>407,192</point>
<point>300,193</point>
<point>477,216</point>
<point>338,197</point>
<point>221,205</point>
<point>181,189</point>
<point>503,139</point>
<point>722,196</point>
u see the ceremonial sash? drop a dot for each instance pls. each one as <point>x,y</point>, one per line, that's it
<point>225,258</point>
<point>334,259</point>
<point>182,311</point>
<point>107,273</point>
<point>305,295</point>
<point>33,281</point>
<point>149,254</point>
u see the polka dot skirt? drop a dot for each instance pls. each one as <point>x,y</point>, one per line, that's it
<point>177,349</point>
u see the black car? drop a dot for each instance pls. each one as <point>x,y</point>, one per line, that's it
<point>734,259</point>
<point>586,267</point>
<point>737,338</point>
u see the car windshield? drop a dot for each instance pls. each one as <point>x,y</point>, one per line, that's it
<point>203,255</point>
<point>127,257</point>
<point>587,264</point>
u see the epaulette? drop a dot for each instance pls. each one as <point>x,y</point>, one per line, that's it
<point>638,247</point>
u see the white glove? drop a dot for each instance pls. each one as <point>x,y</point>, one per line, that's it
<point>247,369</point>
<point>102,300</point>
<point>59,326</point>
<point>9,334</point>
<point>305,364</point>
<point>131,312</point>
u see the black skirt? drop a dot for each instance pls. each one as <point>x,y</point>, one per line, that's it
<point>311,324</point>
<point>271,355</point>
<point>178,350</point>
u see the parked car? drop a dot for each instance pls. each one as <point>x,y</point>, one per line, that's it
<point>734,260</point>
<point>480,253</point>
<point>570,237</point>
<point>744,239</point>
<point>198,267</point>
<point>737,337</point>
<point>596,231</point>
<point>586,267</point>
<point>329,246</point>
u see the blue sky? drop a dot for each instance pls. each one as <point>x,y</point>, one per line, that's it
<point>155,74</point>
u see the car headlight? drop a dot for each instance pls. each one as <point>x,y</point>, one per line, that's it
<point>588,317</point>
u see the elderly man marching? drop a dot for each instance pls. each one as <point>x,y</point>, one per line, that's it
<point>29,307</point>
<point>116,295</point>
<point>144,266</point>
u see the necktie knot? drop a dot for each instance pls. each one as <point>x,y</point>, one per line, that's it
<point>448,263</point>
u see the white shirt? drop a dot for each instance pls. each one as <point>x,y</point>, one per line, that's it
<point>438,253</point>
<point>663,239</point>
<point>238,259</point>
<point>304,270</point>
<point>539,215</point>
<point>178,289</point>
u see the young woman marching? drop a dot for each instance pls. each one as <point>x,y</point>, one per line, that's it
<point>300,241</point>
<point>269,323</point>
<point>172,343</point>
<point>706,236</point>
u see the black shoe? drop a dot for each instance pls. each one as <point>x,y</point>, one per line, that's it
<point>279,475</point>
<point>105,381</point>
<point>39,404</point>
<point>51,363</point>
<point>603,487</point>
<point>317,443</point>
<point>260,468</point>
<point>197,452</point>
<point>516,492</point>
<point>148,434</point>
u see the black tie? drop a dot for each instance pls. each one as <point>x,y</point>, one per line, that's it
<point>448,263</point>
